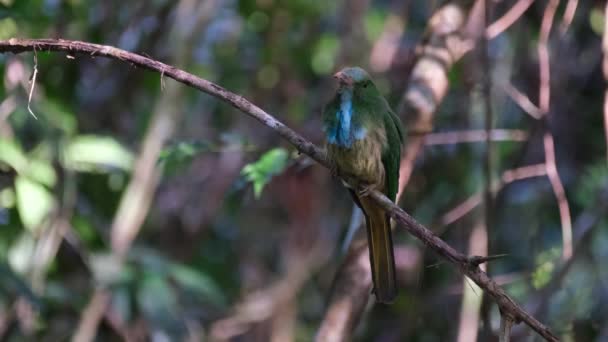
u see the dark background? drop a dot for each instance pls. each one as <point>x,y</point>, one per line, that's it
<point>134,195</point>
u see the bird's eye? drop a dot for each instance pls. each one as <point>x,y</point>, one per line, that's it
<point>365,84</point>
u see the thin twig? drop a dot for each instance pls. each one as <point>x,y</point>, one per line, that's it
<point>508,19</point>
<point>543,56</point>
<point>548,143</point>
<point>356,218</point>
<point>523,101</point>
<point>560,195</point>
<point>87,329</point>
<point>486,80</point>
<point>484,238</point>
<point>568,15</point>
<point>444,250</point>
<point>471,301</point>
<point>506,323</point>
<point>509,176</point>
<point>33,85</point>
<point>605,70</point>
<point>478,260</point>
<point>471,136</point>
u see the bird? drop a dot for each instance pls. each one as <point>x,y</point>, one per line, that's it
<point>364,138</point>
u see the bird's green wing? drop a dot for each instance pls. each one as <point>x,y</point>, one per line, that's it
<point>397,122</point>
<point>392,154</point>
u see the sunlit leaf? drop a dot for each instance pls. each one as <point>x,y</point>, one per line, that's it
<point>8,28</point>
<point>42,171</point>
<point>34,202</point>
<point>325,54</point>
<point>96,153</point>
<point>20,253</point>
<point>259,173</point>
<point>546,262</point>
<point>11,154</point>
<point>34,168</point>
<point>597,20</point>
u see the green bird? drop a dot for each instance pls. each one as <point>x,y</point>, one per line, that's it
<point>364,139</point>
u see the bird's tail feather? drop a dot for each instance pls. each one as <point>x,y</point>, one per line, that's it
<point>381,256</point>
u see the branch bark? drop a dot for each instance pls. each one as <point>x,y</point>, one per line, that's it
<point>440,247</point>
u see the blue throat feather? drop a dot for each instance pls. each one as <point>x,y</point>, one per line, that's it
<point>344,132</point>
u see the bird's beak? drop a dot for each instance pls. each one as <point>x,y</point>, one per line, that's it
<point>343,78</point>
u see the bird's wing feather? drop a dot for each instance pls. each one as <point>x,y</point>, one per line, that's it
<point>398,125</point>
<point>392,154</point>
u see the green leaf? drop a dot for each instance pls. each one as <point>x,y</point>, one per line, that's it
<point>595,178</point>
<point>36,169</point>
<point>158,302</point>
<point>259,173</point>
<point>42,171</point>
<point>91,153</point>
<point>597,20</point>
<point>325,54</point>
<point>20,253</point>
<point>34,202</point>
<point>198,282</point>
<point>180,155</point>
<point>545,265</point>
<point>11,154</point>
<point>8,28</point>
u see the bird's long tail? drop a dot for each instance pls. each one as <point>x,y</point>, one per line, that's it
<point>381,255</point>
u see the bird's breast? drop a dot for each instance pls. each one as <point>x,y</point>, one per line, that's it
<point>363,158</point>
<point>345,129</point>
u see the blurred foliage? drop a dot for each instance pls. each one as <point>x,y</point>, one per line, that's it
<point>210,241</point>
<point>270,164</point>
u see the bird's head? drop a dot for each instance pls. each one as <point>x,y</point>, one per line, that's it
<point>355,79</point>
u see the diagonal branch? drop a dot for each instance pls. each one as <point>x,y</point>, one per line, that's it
<point>444,250</point>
